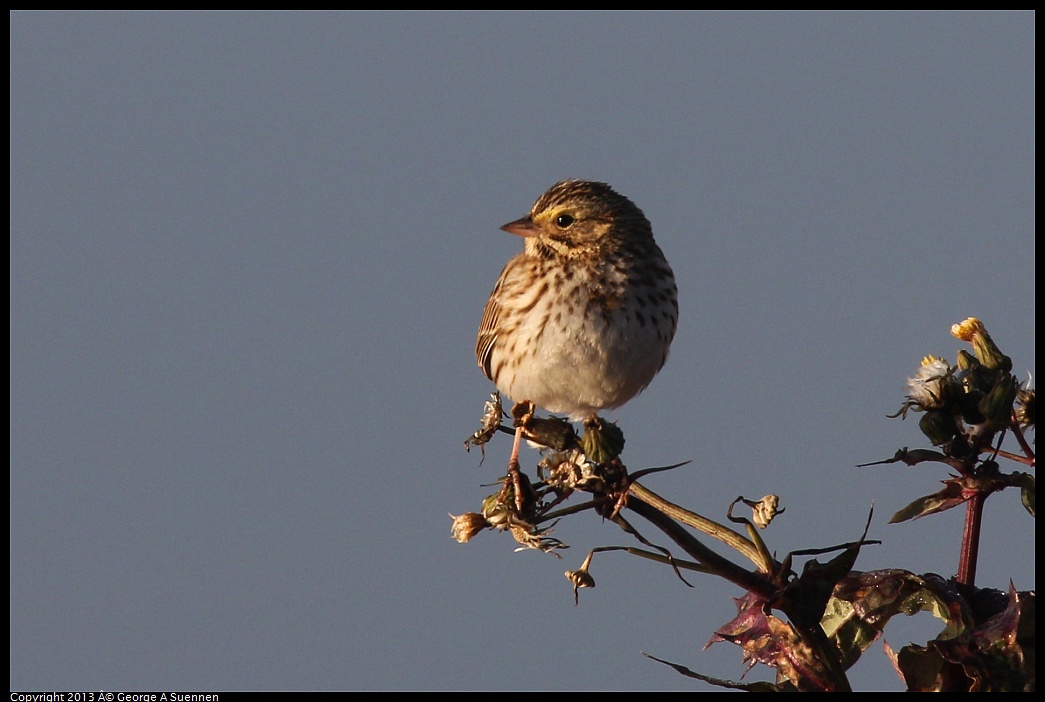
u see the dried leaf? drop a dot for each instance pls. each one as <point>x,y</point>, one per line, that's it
<point>766,639</point>
<point>720,682</point>
<point>950,496</point>
<point>1025,481</point>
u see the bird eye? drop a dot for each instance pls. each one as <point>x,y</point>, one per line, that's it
<point>563,221</point>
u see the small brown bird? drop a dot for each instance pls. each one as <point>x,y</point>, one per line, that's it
<point>583,318</point>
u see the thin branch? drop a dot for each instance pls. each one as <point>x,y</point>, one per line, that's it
<point>1025,460</point>
<point>1017,431</point>
<point>971,538</point>
<point>572,509</point>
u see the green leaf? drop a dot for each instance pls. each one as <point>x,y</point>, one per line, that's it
<point>863,603</point>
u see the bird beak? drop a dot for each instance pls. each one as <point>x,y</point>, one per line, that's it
<point>522,227</point>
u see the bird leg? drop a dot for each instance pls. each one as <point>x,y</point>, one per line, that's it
<point>514,474</point>
<point>522,412</point>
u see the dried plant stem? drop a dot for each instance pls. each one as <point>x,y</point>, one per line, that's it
<point>751,581</point>
<point>723,533</point>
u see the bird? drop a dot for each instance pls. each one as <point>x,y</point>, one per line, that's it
<point>583,318</point>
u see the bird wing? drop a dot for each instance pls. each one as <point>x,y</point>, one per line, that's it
<point>488,327</point>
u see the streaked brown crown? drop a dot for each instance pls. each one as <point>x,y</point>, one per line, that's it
<point>574,215</point>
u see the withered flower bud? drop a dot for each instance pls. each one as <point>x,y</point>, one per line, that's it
<point>763,511</point>
<point>580,578</point>
<point>467,525</point>
<point>554,433</point>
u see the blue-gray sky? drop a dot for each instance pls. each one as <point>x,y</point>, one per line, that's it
<point>249,253</point>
